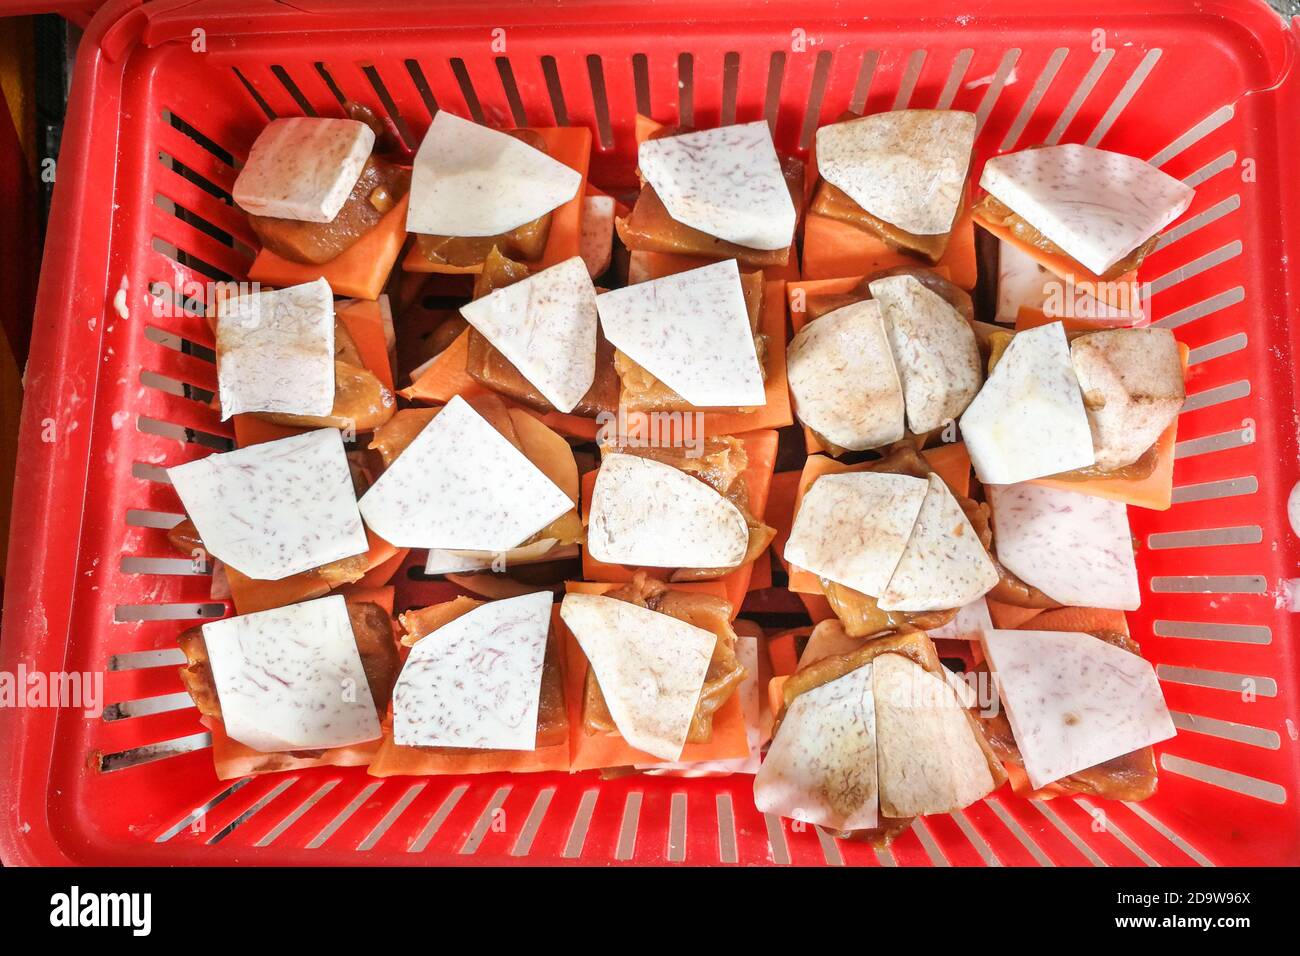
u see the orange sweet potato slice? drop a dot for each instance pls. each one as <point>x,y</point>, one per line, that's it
<point>359,273</point>
<point>832,249</point>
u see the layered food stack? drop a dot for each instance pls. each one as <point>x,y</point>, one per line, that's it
<point>618,436</point>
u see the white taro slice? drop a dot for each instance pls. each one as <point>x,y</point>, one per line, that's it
<point>469,180</point>
<point>726,182</point>
<point>476,681</point>
<point>291,678</point>
<point>277,508</point>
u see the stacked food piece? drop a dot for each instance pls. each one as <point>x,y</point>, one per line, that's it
<point>608,442</point>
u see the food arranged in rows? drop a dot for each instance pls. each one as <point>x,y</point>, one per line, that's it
<point>616,443</point>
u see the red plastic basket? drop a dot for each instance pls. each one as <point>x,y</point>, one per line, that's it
<point>1207,92</point>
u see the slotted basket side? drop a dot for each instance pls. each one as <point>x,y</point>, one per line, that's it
<point>143,220</point>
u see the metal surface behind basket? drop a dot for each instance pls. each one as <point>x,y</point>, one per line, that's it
<point>153,130</point>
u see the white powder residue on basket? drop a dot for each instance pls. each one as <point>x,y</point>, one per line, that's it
<point>1293,508</point>
<point>119,299</point>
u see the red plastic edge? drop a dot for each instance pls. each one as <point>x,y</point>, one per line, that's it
<point>75,284</point>
<point>50,486</point>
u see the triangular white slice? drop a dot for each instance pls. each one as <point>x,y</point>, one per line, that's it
<point>650,514</point>
<point>828,639</point>
<point>1096,205</point>
<point>275,351</point>
<point>291,678</point>
<point>303,168</point>
<point>275,509</point>
<point>726,182</point>
<point>461,485</point>
<point>751,701</point>
<point>469,180</point>
<point>847,345</point>
<point>597,241</point>
<point>441,561</point>
<point>907,167</point>
<point>691,331</point>
<point>546,326</point>
<point>852,528</point>
<point>970,621</point>
<point>928,756</point>
<point>821,767</point>
<point>1028,420</point>
<point>934,348</point>
<point>1073,700</point>
<point>650,668</point>
<point>944,564</point>
<point>476,681</point>
<point>1077,549</point>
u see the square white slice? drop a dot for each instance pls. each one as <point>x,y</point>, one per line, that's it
<point>1073,700</point>
<point>944,564</point>
<point>726,182</point>
<point>970,621</point>
<point>928,756</point>
<point>303,168</point>
<point>751,706</point>
<point>821,767</point>
<point>691,331</point>
<point>469,180</point>
<point>650,668</point>
<point>597,241</point>
<point>1096,205</point>
<point>907,167</point>
<point>847,345</point>
<point>650,514</point>
<point>461,485</point>
<point>275,351</point>
<point>1028,420</point>
<point>546,326</point>
<point>291,678</point>
<point>275,509</point>
<point>852,528</point>
<point>476,681</point>
<point>1077,549</point>
<point>935,349</point>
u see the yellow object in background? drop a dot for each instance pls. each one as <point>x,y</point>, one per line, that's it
<point>17,85</point>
